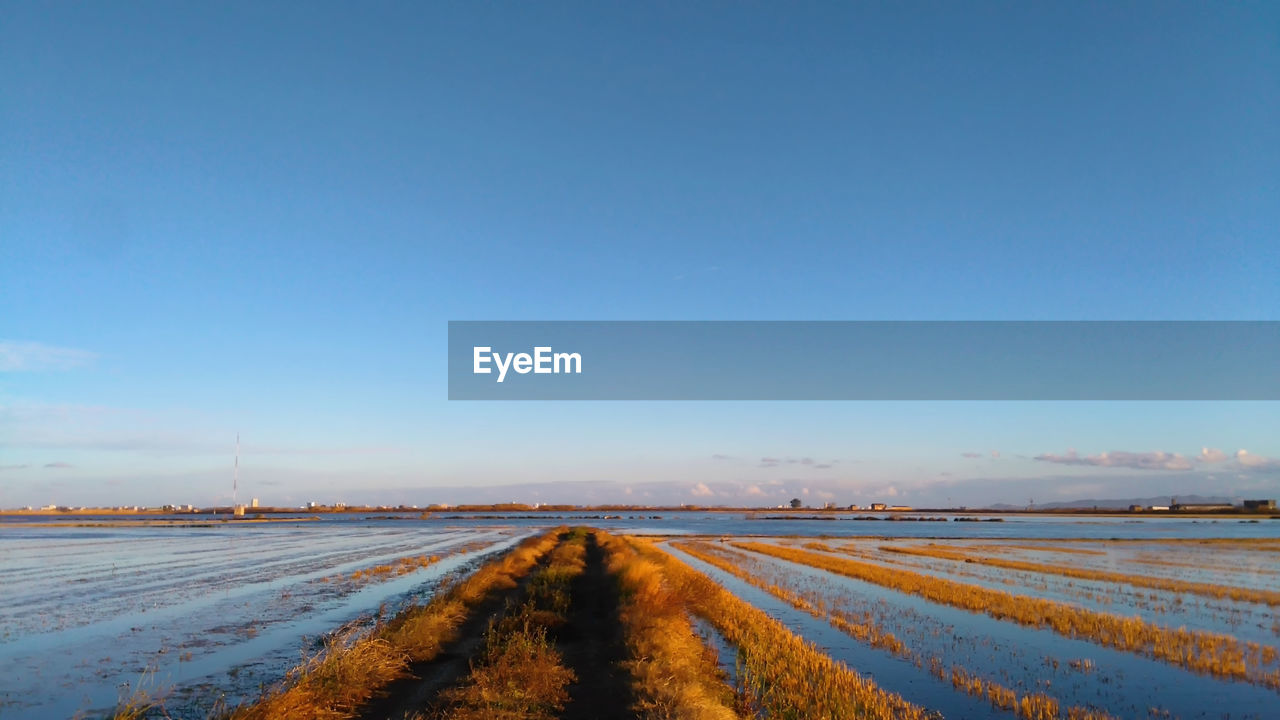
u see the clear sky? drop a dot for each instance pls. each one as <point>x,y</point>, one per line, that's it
<point>258,217</point>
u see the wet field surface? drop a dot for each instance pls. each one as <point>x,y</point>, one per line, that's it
<point>210,613</point>
<point>91,614</point>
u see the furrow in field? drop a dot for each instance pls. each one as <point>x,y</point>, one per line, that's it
<point>1210,653</point>
<point>156,560</point>
<point>1246,621</point>
<point>201,593</point>
<point>1026,704</point>
<point>1264,597</point>
<point>1025,659</point>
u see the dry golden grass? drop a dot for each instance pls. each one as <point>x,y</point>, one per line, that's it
<point>783,675</point>
<point>144,699</point>
<point>520,675</point>
<point>335,682</point>
<point>675,676</point>
<point>1210,653</point>
<point>1264,597</point>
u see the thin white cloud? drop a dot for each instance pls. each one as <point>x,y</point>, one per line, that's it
<point>327,450</point>
<point>1160,460</point>
<point>28,356</point>
<point>1155,460</point>
<point>773,462</point>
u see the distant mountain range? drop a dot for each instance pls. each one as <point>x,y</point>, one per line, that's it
<point>1119,503</point>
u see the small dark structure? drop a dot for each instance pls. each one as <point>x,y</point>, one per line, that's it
<point>1265,505</point>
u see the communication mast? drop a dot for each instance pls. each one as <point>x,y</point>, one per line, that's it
<point>236,510</point>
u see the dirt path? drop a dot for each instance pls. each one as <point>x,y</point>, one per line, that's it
<point>592,646</point>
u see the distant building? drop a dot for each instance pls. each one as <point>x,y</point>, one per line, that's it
<point>1202,507</point>
<point>879,506</point>
<point>253,503</point>
<point>899,507</point>
<point>1259,504</point>
<point>1136,508</point>
<point>853,507</point>
<point>1159,507</point>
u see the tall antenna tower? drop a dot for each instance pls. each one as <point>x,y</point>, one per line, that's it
<point>235,479</point>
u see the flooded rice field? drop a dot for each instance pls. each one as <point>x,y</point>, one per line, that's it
<point>1040,618</point>
<point>215,613</point>
<point>943,652</point>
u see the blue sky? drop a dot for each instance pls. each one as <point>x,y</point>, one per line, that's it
<point>258,217</point>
